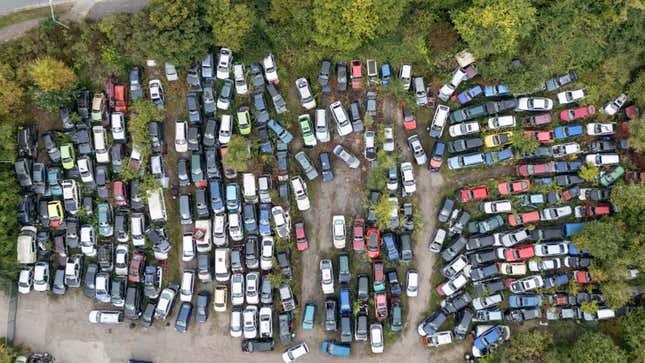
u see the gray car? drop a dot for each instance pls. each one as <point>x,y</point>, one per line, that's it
<point>306,165</point>
<point>346,156</point>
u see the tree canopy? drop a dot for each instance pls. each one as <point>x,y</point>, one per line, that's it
<point>230,23</point>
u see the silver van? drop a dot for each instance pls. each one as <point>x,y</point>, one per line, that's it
<point>465,160</point>
<point>420,92</point>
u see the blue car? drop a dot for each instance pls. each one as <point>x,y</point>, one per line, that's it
<point>283,134</point>
<point>524,301</point>
<point>489,338</point>
<point>54,176</point>
<point>569,230</point>
<point>556,280</point>
<point>467,95</point>
<point>566,132</point>
<point>345,301</point>
<point>26,210</point>
<point>265,219</point>
<point>105,220</point>
<point>567,166</point>
<point>493,157</point>
<point>217,202</point>
<point>544,180</point>
<point>385,74</point>
<point>390,244</point>
<point>232,197</point>
<point>495,90</point>
<point>250,221</point>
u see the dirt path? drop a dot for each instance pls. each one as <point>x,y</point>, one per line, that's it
<point>15,31</point>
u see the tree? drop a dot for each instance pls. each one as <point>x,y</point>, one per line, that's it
<point>629,200</point>
<point>237,157</point>
<point>7,140</point>
<point>377,174</point>
<point>382,209</point>
<point>594,347</point>
<point>589,172</point>
<point>633,332</point>
<point>617,293</point>
<point>636,137</point>
<point>9,198</point>
<point>524,143</point>
<point>51,75</point>
<point>7,355</point>
<point>11,94</point>
<point>527,346</point>
<point>497,26</point>
<point>603,239</point>
<point>143,111</point>
<point>231,23</point>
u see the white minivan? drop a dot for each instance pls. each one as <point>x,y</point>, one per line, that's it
<point>343,125</point>
<point>322,126</point>
<point>250,191</point>
<point>222,272</point>
<point>188,247</point>
<point>101,148</point>
<point>439,121</point>
<point>225,129</point>
<point>181,144</point>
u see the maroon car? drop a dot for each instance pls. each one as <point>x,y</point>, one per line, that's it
<point>137,264</point>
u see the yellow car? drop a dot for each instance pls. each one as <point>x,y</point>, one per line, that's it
<point>244,120</point>
<point>67,156</point>
<point>503,138</point>
<point>55,212</point>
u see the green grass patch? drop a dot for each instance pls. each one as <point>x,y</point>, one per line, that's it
<point>29,14</point>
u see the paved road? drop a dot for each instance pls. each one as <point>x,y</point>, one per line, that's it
<point>8,6</point>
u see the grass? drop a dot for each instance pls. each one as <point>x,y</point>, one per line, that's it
<point>29,14</point>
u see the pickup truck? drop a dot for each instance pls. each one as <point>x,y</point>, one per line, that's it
<point>336,349</point>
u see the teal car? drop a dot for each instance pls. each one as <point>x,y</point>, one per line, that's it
<point>609,178</point>
<point>306,129</point>
<point>105,220</point>
<point>309,317</point>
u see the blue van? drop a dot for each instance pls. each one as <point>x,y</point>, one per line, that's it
<point>345,301</point>
<point>571,228</point>
<point>390,244</point>
<point>232,197</point>
<point>385,74</point>
<point>215,189</point>
<point>336,349</point>
<point>493,157</point>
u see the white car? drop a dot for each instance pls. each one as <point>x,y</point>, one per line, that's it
<point>512,238</point>
<point>25,280</point>
<point>453,285</point>
<point>187,247</point>
<point>239,74</point>
<point>41,276</point>
<point>526,284</point>
<point>156,92</point>
<point>250,322</point>
<point>171,72</point>
<point>412,283</point>
<point>297,351</point>
<point>571,96</point>
<point>612,107</point>
<point>551,249</point>
<point>270,69</point>
<point>237,289</point>
<point>71,196</point>
<point>327,276</point>
<point>224,63</point>
<point>544,265</point>
<point>322,126</point>
<point>464,128</point>
<point>235,229</point>
<point>266,322</point>
<point>376,338</point>
<point>164,305</point>
<point>299,188</point>
<point>84,165</point>
<point>118,127</point>
<point>370,145</point>
<point>349,158</point>
<point>121,260</point>
<point>235,323</point>
<point>181,143</point>
<point>512,268</point>
<point>601,129</point>
<point>338,231</point>
<point>343,125</point>
<point>388,139</point>
<point>440,338</point>
<point>105,317</point>
<point>266,257</point>
<point>187,286</point>
<point>458,264</point>
<point>496,206</point>
<point>534,104</point>
<point>281,221</point>
<point>252,284</point>
<point>220,237</point>
<point>555,213</point>
<point>488,301</point>
<point>138,228</point>
<point>88,240</point>
<point>562,150</point>
<point>602,159</point>
<point>306,98</point>
<point>438,239</point>
<point>225,129</point>
<point>501,122</point>
<point>407,178</point>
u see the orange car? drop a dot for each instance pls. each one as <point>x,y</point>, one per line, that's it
<point>517,219</point>
<point>120,98</point>
<point>514,187</point>
<point>542,136</point>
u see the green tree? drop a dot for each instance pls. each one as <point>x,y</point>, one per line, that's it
<point>617,293</point>
<point>9,198</point>
<point>588,172</point>
<point>231,23</point>
<point>527,346</point>
<point>497,26</point>
<point>382,210</point>
<point>51,75</point>
<point>524,143</point>
<point>636,137</point>
<point>377,174</point>
<point>603,239</point>
<point>7,355</point>
<point>7,141</point>
<point>237,157</point>
<point>629,200</point>
<point>633,333</point>
<point>143,111</point>
<point>11,94</point>
<point>594,347</point>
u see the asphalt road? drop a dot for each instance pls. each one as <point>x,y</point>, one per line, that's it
<point>8,6</point>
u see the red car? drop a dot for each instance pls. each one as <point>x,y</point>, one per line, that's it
<point>380,305</point>
<point>535,169</point>
<point>582,277</point>
<point>542,136</point>
<point>356,69</point>
<point>472,194</point>
<point>358,235</point>
<point>378,275</point>
<point>523,218</point>
<point>120,98</point>
<point>514,187</point>
<point>120,191</point>
<point>409,121</point>
<point>577,113</point>
<point>588,211</point>
<point>301,237</point>
<point>373,242</point>
<point>520,253</point>
<point>137,264</point>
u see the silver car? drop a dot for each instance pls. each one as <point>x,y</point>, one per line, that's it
<point>344,154</point>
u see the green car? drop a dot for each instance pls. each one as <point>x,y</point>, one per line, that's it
<point>244,120</point>
<point>307,130</point>
<point>67,156</point>
<point>309,316</point>
<point>609,178</point>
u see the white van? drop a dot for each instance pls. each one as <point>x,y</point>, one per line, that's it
<point>343,125</point>
<point>264,188</point>
<point>106,317</point>
<point>71,196</point>
<point>439,121</point>
<point>156,205</point>
<point>220,236</point>
<point>405,75</point>
<point>27,245</point>
<point>222,263</point>
<point>225,126</point>
<point>250,192</point>
<point>322,126</point>
<point>181,144</point>
<point>187,247</point>
<point>300,192</point>
<point>100,145</point>
<point>241,87</point>
<point>138,228</point>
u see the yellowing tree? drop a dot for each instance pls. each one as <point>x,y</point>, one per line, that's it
<point>231,23</point>
<point>51,75</point>
<point>497,26</point>
<point>11,94</point>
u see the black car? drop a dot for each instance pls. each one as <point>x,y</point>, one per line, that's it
<point>325,166</point>
<point>568,179</point>
<point>65,118</point>
<point>286,326</point>
<point>136,203</point>
<point>155,132</point>
<point>346,328</point>
<point>106,256</point>
<point>284,261</point>
<point>482,256</point>
<point>405,241</point>
<point>192,103</point>
<point>71,232</point>
<point>204,268</point>
<point>102,178</point>
<point>148,316</point>
<point>597,194</point>
<point>408,214</point>
<point>483,272</point>
<point>152,281</point>
<point>118,290</point>
<point>58,287</point>
<point>213,166</point>
<point>456,302</point>
<point>488,287</point>
<point>90,278</point>
<point>480,241</point>
<point>43,213</point>
<point>250,218</point>
<point>258,345</point>
<point>237,259</point>
<point>446,210</point>
<point>331,319</point>
<point>182,172</point>
<point>88,205</point>
<point>461,145</point>
<point>520,315</point>
<point>325,72</point>
<point>26,210</point>
<point>194,138</point>
<point>341,76</point>
<point>134,77</point>
<point>203,300</point>
<point>133,302</point>
<point>547,233</point>
<point>201,203</point>
<point>432,323</point>
<point>396,316</point>
<point>23,172</point>
<point>601,145</point>
<point>121,226</point>
<point>83,104</point>
<point>463,321</point>
<point>183,317</point>
<point>117,151</point>
<point>251,252</point>
<point>210,132</point>
<point>264,142</point>
<point>282,154</point>
<point>454,249</point>
<point>393,282</point>
<point>437,155</point>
